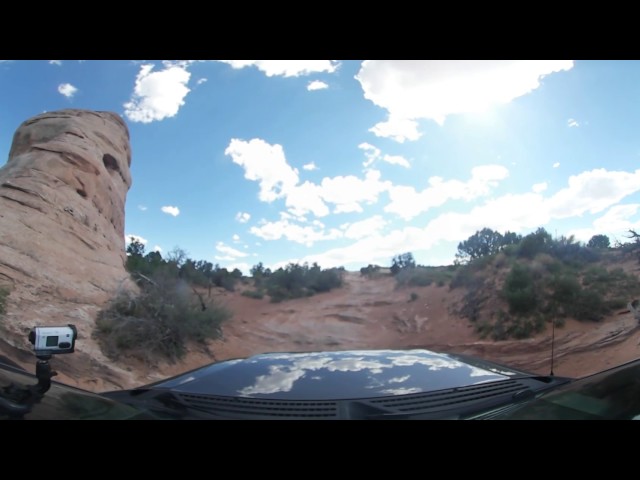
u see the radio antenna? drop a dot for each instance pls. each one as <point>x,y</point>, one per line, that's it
<point>553,338</point>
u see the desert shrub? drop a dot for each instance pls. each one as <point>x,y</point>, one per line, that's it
<point>466,276</point>
<point>566,290</point>
<point>590,305</point>
<point>257,294</point>
<point>506,326</point>
<point>295,281</point>
<point>402,262</point>
<point>421,276</point>
<point>519,290</point>
<point>483,329</point>
<point>416,276</point>
<point>370,271</point>
<point>535,243</point>
<point>501,260</point>
<point>413,297</point>
<point>159,321</point>
<point>599,241</point>
<point>616,303</point>
<point>473,301</point>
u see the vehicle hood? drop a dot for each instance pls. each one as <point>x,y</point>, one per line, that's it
<point>334,375</point>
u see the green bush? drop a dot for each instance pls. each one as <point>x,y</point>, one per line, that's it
<point>402,262</point>
<point>370,271</point>
<point>566,290</point>
<point>519,290</point>
<point>257,294</point>
<point>158,322</point>
<point>421,276</point>
<point>590,305</point>
<point>466,276</point>
<point>297,281</point>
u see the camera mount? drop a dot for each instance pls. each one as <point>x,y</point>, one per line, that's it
<point>16,400</point>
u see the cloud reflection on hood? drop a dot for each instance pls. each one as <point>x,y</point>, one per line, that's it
<point>389,372</point>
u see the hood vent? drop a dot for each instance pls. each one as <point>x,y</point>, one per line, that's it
<point>256,408</point>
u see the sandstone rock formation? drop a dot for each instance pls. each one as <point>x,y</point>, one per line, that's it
<point>62,255</point>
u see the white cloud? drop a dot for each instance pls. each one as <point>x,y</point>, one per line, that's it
<point>572,123</point>
<point>157,249</point>
<point>511,212</point>
<point>433,89</point>
<point>67,90</point>
<point>615,223</point>
<point>230,251</point>
<point>175,211</point>
<point>408,203</point>
<point>589,191</point>
<point>364,228</point>
<point>244,267</point>
<point>398,129</point>
<point>235,238</point>
<point>619,218</point>
<point>264,163</point>
<point>158,95</point>
<point>539,187</point>
<point>142,208</point>
<point>316,85</point>
<point>55,62</point>
<point>242,217</point>
<point>306,235</point>
<point>201,81</point>
<point>310,166</point>
<point>397,160</point>
<point>348,192</point>
<point>556,165</point>
<point>291,216</point>
<point>371,249</point>
<point>267,165</point>
<point>305,198</point>
<point>129,237</point>
<point>286,68</point>
<point>372,153</point>
<point>593,191</point>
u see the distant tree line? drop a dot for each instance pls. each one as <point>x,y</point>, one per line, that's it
<point>177,264</point>
<point>488,242</point>
<point>293,281</point>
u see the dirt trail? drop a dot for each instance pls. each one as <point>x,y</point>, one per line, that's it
<point>372,313</point>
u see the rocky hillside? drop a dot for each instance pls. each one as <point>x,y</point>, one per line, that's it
<point>62,197</point>
<point>374,313</point>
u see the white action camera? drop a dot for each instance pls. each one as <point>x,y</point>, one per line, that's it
<point>53,340</point>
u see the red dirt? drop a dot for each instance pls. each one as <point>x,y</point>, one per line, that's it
<point>372,313</point>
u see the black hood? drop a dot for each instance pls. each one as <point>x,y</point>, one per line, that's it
<point>334,375</point>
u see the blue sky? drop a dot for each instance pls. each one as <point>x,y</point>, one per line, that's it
<point>351,162</point>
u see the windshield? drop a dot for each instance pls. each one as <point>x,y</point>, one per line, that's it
<point>183,213</point>
<point>611,395</point>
